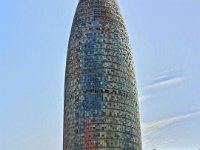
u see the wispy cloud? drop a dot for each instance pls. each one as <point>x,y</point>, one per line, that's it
<point>152,130</point>
<point>165,81</point>
<point>164,122</point>
<point>145,97</point>
<point>165,78</point>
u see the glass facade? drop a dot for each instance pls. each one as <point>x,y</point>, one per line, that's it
<point>100,106</point>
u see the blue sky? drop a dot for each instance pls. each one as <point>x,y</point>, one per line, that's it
<point>165,38</point>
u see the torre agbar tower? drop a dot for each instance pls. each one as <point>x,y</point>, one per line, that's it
<point>101,103</point>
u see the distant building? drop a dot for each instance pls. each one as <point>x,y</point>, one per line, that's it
<point>101,103</point>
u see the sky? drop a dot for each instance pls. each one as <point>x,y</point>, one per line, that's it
<point>165,37</point>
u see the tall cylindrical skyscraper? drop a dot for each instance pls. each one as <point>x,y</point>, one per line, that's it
<point>101,103</point>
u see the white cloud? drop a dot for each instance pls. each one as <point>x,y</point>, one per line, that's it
<point>164,82</point>
<point>152,131</point>
<point>145,97</point>
<point>161,123</point>
<point>158,82</point>
<point>165,78</point>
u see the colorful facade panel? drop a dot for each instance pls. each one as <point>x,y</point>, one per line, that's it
<point>101,106</point>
